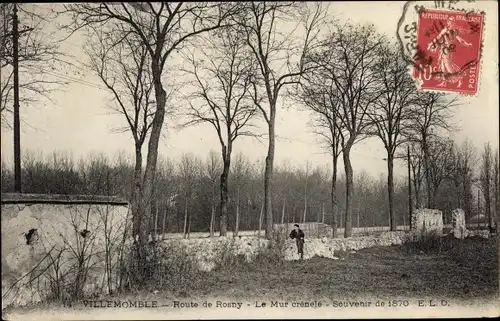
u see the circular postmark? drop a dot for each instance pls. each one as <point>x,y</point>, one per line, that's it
<point>442,41</point>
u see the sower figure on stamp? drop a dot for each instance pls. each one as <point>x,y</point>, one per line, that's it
<point>445,42</point>
<point>298,235</point>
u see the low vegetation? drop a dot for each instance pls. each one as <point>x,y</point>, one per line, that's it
<point>449,268</point>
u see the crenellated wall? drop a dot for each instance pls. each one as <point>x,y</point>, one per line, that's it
<point>55,244</point>
<point>205,250</point>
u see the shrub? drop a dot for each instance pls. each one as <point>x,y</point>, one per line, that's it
<point>274,253</point>
<point>428,243</point>
<point>168,267</point>
<point>226,257</point>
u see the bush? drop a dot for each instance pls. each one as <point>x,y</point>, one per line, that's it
<point>271,255</point>
<point>274,253</point>
<point>168,267</point>
<point>428,243</point>
<point>226,257</point>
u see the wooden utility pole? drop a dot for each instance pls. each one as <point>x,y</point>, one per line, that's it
<point>410,205</point>
<point>17,131</point>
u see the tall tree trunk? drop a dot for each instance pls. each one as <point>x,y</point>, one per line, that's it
<point>237,223</point>
<point>349,184</point>
<point>212,220</point>
<point>334,196</point>
<point>185,218</point>
<point>425,148</point>
<point>283,211</point>
<point>323,212</point>
<point>224,195</point>
<point>163,225</point>
<point>416,185</point>
<point>487,205</point>
<point>213,207</point>
<point>139,210</point>
<point>152,158</point>
<point>305,209</point>
<point>136,206</point>
<point>189,225</point>
<point>268,174</point>
<point>155,226</point>
<point>260,218</point>
<point>390,187</point>
<point>459,196</point>
<point>467,190</point>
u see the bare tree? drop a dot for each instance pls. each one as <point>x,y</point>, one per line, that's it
<point>165,190</point>
<point>431,115</point>
<point>280,57</point>
<point>123,68</point>
<point>285,170</point>
<point>462,177</point>
<point>39,56</point>
<point>222,80</point>
<point>441,163</point>
<point>416,162</point>
<point>390,113</point>
<point>485,179</point>
<point>189,168</point>
<point>212,170</point>
<point>162,28</point>
<point>348,59</point>
<point>365,185</point>
<point>320,97</point>
<point>304,175</point>
<point>240,173</point>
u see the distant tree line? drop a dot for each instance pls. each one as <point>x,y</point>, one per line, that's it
<point>185,191</point>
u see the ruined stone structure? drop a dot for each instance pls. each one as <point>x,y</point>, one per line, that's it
<point>53,245</point>
<point>426,221</point>
<point>459,228</point>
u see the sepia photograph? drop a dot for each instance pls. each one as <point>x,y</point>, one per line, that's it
<point>249,160</point>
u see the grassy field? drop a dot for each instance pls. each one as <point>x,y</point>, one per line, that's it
<point>459,270</point>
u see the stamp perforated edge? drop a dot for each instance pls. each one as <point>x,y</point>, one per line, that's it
<point>411,64</point>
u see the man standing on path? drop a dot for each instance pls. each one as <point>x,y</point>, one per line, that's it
<point>298,235</point>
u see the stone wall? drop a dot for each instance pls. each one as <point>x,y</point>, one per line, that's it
<point>206,250</point>
<point>55,245</point>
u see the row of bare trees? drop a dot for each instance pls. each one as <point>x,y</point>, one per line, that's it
<point>360,87</point>
<point>132,46</point>
<point>185,191</point>
<point>243,61</point>
<point>240,64</point>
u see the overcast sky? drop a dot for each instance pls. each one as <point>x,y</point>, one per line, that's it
<point>79,120</point>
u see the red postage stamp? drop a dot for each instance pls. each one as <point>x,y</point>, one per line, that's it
<point>448,50</point>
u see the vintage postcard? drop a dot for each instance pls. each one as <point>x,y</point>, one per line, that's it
<point>249,160</point>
